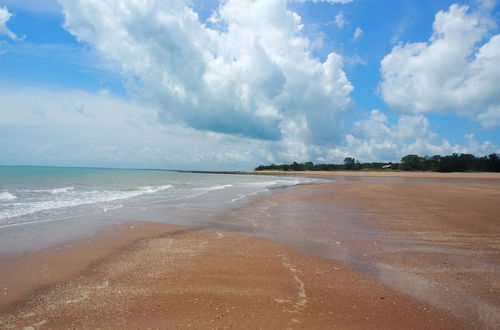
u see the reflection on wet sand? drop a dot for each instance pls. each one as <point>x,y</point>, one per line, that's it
<point>435,241</point>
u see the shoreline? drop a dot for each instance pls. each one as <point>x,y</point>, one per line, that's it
<point>386,174</point>
<point>217,257</point>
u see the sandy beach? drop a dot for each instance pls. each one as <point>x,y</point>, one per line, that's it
<point>347,254</point>
<point>388,174</point>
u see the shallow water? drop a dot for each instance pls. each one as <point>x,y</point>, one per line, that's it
<point>429,271</point>
<point>42,207</point>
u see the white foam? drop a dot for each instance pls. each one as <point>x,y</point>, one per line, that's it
<point>61,190</point>
<point>153,189</point>
<point>240,197</point>
<point>218,187</point>
<point>54,191</point>
<point>278,183</point>
<point>213,188</point>
<point>83,198</point>
<point>6,196</point>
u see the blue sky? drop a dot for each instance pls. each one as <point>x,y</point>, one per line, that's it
<point>233,84</point>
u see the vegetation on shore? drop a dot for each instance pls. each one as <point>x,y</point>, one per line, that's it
<point>437,163</point>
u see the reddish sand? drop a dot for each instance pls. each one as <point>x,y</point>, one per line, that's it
<point>217,280</point>
<point>442,243</point>
<point>22,276</point>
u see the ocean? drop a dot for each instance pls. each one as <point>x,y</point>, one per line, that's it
<point>43,206</point>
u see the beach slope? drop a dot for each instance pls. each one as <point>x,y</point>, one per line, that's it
<point>347,254</point>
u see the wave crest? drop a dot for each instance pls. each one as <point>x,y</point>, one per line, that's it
<point>153,189</point>
<point>83,198</point>
<point>54,191</point>
<point>6,196</point>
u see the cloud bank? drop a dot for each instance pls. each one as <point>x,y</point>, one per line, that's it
<point>247,71</point>
<point>456,71</point>
<point>77,128</point>
<point>375,139</point>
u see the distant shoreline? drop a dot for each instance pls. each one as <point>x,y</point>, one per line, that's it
<point>396,174</point>
<point>371,173</point>
<point>360,173</point>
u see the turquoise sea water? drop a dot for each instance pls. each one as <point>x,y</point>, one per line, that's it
<point>41,194</point>
<point>43,207</point>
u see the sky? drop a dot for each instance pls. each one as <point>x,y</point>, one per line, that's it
<point>230,85</point>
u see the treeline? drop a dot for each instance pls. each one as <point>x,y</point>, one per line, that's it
<point>450,163</point>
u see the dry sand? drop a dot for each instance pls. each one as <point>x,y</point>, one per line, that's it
<point>433,263</point>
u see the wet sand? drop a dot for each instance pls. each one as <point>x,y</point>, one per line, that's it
<point>387,255</point>
<point>436,242</point>
<point>201,279</point>
<point>23,276</point>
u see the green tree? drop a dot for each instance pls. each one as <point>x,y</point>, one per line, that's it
<point>411,163</point>
<point>349,163</point>
<point>297,167</point>
<point>493,163</point>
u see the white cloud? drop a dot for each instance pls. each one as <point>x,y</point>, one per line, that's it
<point>358,32</point>
<point>375,139</point>
<point>355,60</point>
<point>339,20</point>
<point>73,127</point>
<point>457,70</point>
<point>474,147</point>
<point>4,18</point>
<point>252,78</point>
<point>78,128</point>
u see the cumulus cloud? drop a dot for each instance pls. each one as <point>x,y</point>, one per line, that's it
<point>4,18</point>
<point>457,70</point>
<point>375,139</point>
<point>249,71</point>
